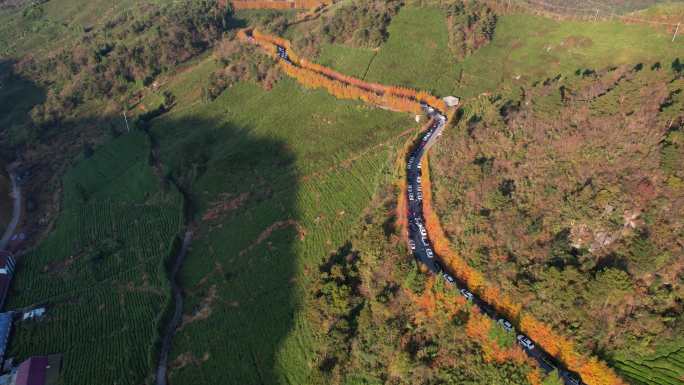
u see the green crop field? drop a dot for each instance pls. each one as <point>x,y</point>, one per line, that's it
<point>528,48</point>
<point>286,174</point>
<point>348,60</point>
<point>42,27</point>
<point>276,182</point>
<point>417,53</point>
<point>101,272</point>
<point>662,369</point>
<point>525,48</point>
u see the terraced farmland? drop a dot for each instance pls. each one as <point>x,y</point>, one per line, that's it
<point>280,180</point>
<point>661,369</point>
<point>101,272</point>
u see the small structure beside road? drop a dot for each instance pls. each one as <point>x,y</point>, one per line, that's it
<point>451,101</point>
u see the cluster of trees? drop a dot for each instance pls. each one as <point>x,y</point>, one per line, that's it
<point>555,344</point>
<point>284,4</point>
<point>240,62</point>
<point>336,302</point>
<point>341,90</point>
<point>249,4</point>
<point>498,345</point>
<point>104,66</point>
<point>569,196</point>
<point>378,319</point>
<point>401,92</point>
<point>471,25</point>
<point>358,23</point>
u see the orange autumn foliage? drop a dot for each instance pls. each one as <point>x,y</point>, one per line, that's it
<point>312,79</point>
<point>342,86</point>
<point>478,328</point>
<point>299,4</point>
<point>534,377</point>
<point>433,306</point>
<point>315,75</point>
<point>592,371</point>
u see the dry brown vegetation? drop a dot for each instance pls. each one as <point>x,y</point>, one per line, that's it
<point>571,196</point>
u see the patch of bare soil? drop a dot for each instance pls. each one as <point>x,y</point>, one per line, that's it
<point>204,310</point>
<point>270,229</point>
<point>225,205</point>
<point>577,41</point>
<point>185,359</point>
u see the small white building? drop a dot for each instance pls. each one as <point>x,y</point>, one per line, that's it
<point>451,101</point>
<point>35,313</point>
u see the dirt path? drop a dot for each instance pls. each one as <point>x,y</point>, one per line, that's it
<point>16,211</point>
<point>177,314</point>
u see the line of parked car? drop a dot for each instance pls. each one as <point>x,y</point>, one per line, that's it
<point>420,245</point>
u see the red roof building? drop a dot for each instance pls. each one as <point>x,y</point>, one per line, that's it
<point>38,370</point>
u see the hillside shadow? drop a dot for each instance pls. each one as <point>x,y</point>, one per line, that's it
<point>18,95</point>
<point>238,278</point>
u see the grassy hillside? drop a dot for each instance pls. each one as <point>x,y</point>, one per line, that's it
<point>528,48</point>
<point>525,48</point>
<point>279,180</point>
<point>296,274</point>
<point>101,272</point>
<point>38,29</point>
<point>417,52</point>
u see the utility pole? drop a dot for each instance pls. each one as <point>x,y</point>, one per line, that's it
<point>126,120</point>
<point>675,34</point>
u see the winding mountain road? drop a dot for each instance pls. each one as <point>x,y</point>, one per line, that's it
<point>419,241</point>
<point>16,211</point>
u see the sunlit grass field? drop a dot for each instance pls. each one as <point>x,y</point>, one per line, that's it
<point>525,49</point>
<point>293,170</point>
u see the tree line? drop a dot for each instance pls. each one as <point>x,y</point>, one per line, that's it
<point>343,86</point>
